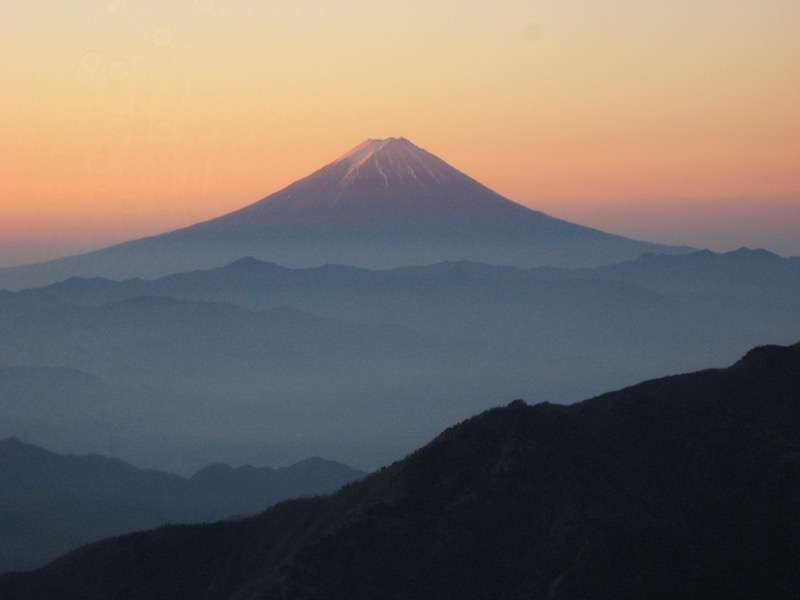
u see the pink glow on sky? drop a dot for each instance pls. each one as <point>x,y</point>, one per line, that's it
<point>676,122</point>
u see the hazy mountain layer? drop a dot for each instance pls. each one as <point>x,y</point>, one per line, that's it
<point>279,376</point>
<point>681,487</point>
<point>255,361</point>
<point>386,203</point>
<point>51,503</point>
<point>750,285</point>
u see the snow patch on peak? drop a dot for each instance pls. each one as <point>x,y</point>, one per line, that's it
<point>366,149</point>
<point>355,155</point>
<point>394,160</point>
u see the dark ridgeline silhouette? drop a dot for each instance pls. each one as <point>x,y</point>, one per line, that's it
<point>52,503</point>
<point>681,487</point>
<point>386,203</point>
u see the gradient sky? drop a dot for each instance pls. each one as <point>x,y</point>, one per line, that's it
<point>672,121</point>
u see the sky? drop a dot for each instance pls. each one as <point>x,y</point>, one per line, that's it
<point>670,121</point>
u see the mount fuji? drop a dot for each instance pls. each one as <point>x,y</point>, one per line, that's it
<point>384,204</point>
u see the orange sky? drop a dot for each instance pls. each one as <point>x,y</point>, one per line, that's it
<point>670,121</point>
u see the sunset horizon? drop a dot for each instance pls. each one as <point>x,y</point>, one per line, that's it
<point>675,124</point>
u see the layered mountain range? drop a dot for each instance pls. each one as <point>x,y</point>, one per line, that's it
<point>386,203</point>
<point>255,361</point>
<point>681,487</point>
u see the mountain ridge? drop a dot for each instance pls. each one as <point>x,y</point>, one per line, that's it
<point>683,486</point>
<point>76,289</point>
<point>87,497</point>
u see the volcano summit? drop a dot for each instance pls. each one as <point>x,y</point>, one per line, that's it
<point>386,203</point>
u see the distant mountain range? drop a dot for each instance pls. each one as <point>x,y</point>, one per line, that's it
<point>257,360</point>
<point>681,487</point>
<point>52,503</point>
<point>386,203</point>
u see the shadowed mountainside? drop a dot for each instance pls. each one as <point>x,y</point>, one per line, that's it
<point>686,486</point>
<point>51,503</point>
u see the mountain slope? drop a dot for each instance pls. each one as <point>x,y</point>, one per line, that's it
<point>385,203</point>
<point>51,503</point>
<point>686,486</point>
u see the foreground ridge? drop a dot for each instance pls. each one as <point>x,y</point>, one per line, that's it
<point>686,486</point>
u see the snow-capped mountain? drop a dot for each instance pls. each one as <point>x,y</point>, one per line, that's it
<point>380,185</point>
<point>385,203</point>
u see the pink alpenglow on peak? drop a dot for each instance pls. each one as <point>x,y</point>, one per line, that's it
<point>395,160</point>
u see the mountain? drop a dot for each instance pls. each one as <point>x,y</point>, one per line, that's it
<point>303,383</point>
<point>743,272</point>
<point>51,503</point>
<point>681,487</point>
<point>386,203</point>
<point>253,361</point>
<point>752,286</point>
